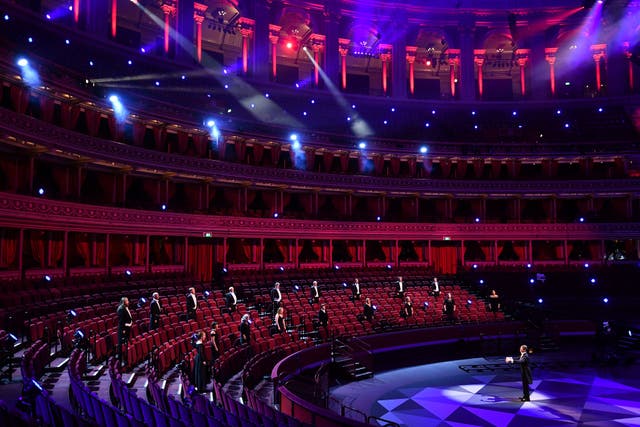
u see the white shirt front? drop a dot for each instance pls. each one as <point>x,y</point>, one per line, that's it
<point>195,301</point>
<point>278,297</point>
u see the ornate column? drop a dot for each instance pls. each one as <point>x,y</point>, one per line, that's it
<point>198,16</point>
<point>454,62</point>
<point>169,11</point>
<point>274,36</point>
<point>479,56</point>
<point>628,55</point>
<point>114,18</point>
<point>317,44</point>
<point>385,58</point>
<point>343,48</point>
<point>399,53</point>
<point>598,52</point>
<point>261,39</point>
<point>246,30</point>
<point>522,58</point>
<point>76,11</point>
<point>411,59</point>
<point>550,57</point>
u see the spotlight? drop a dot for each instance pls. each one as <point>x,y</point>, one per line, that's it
<point>91,63</point>
<point>473,113</point>
<point>433,112</point>
<point>163,207</point>
<point>532,281</point>
<point>344,284</point>
<point>581,219</point>
<point>141,302</point>
<point>353,106</point>
<point>605,300</point>
<point>289,45</point>
<point>71,314</point>
<point>469,302</point>
<point>41,191</point>
<point>275,214</point>
<point>281,268</point>
<point>313,101</point>
<point>475,266</point>
<point>393,109</point>
<point>425,305</point>
<point>481,281</point>
<point>30,39</point>
<point>296,288</point>
<point>157,83</point>
<point>47,278</point>
<point>22,62</point>
<point>586,265</point>
<point>67,42</point>
<point>375,307</point>
<point>79,334</point>
<point>540,300</point>
<point>143,50</point>
<point>296,145</point>
<point>600,110</point>
<point>206,294</point>
<point>362,145</point>
<point>593,280</point>
<point>128,273</point>
<point>211,123</point>
<point>224,270</point>
<point>423,150</point>
<point>6,17</point>
<point>183,77</point>
<point>528,265</point>
<point>388,266</point>
<point>378,218</point>
<point>427,124</point>
<point>558,112</point>
<point>129,62</point>
<point>293,137</point>
<point>337,267</point>
<point>266,95</point>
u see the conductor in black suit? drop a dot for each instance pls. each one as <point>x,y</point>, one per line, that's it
<point>124,325</point>
<point>231,300</point>
<point>323,317</point>
<point>355,289</point>
<point>525,371</point>
<point>276,297</point>
<point>192,304</point>
<point>314,293</point>
<point>156,310</point>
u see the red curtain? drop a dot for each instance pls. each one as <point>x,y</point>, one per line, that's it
<point>411,162</point>
<point>444,259</point>
<point>327,160</point>
<point>139,130</point>
<point>496,165</point>
<point>47,106</point>
<point>20,96</point>
<point>344,162</point>
<point>57,250</point>
<point>275,154</point>
<point>310,157</point>
<point>378,164</point>
<point>241,150</point>
<point>200,257</point>
<point>101,248</point>
<point>395,165</point>
<point>445,165</point>
<point>160,137</point>
<point>183,142</point>
<point>36,239</point>
<point>9,242</point>
<point>258,151</point>
<point>428,165</point>
<point>10,170</point>
<point>93,121</point>
<point>222,147</point>
<point>83,248</point>
<point>478,167</point>
<point>200,141</point>
<point>461,170</point>
<point>70,115</point>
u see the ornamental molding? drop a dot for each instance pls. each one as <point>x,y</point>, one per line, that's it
<point>26,212</point>
<point>54,138</point>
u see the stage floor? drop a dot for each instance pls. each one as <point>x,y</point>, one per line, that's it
<point>486,392</point>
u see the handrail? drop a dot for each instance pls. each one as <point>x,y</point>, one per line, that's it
<point>387,423</point>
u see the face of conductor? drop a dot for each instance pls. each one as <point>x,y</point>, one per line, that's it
<point>357,281</point>
<point>314,283</point>
<point>277,285</point>
<point>322,307</point>
<point>192,290</point>
<point>231,289</point>
<point>449,295</point>
<point>367,301</point>
<point>156,296</point>
<point>125,301</point>
<point>523,349</point>
<point>493,292</point>
<point>399,278</point>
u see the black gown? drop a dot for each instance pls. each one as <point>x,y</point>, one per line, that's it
<point>199,371</point>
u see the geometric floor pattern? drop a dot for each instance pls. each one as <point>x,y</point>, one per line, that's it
<point>457,394</point>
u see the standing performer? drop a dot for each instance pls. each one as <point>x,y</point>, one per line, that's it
<point>156,310</point>
<point>525,371</point>
<point>124,325</point>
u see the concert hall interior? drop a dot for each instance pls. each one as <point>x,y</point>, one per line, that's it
<point>334,213</point>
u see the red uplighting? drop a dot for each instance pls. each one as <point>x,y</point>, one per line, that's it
<point>289,45</point>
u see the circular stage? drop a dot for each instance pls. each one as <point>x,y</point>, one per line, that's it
<point>567,390</point>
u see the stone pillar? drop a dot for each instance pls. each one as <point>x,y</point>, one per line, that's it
<point>399,59</point>
<point>550,57</point>
<point>454,62</point>
<point>628,55</point>
<point>479,56</point>
<point>522,58</point>
<point>385,58</point>
<point>343,49</point>
<point>274,36</point>
<point>198,17</point>
<point>598,52</point>
<point>246,30</point>
<point>411,59</point>
<point>169,11</point>
<point>317,45</point>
